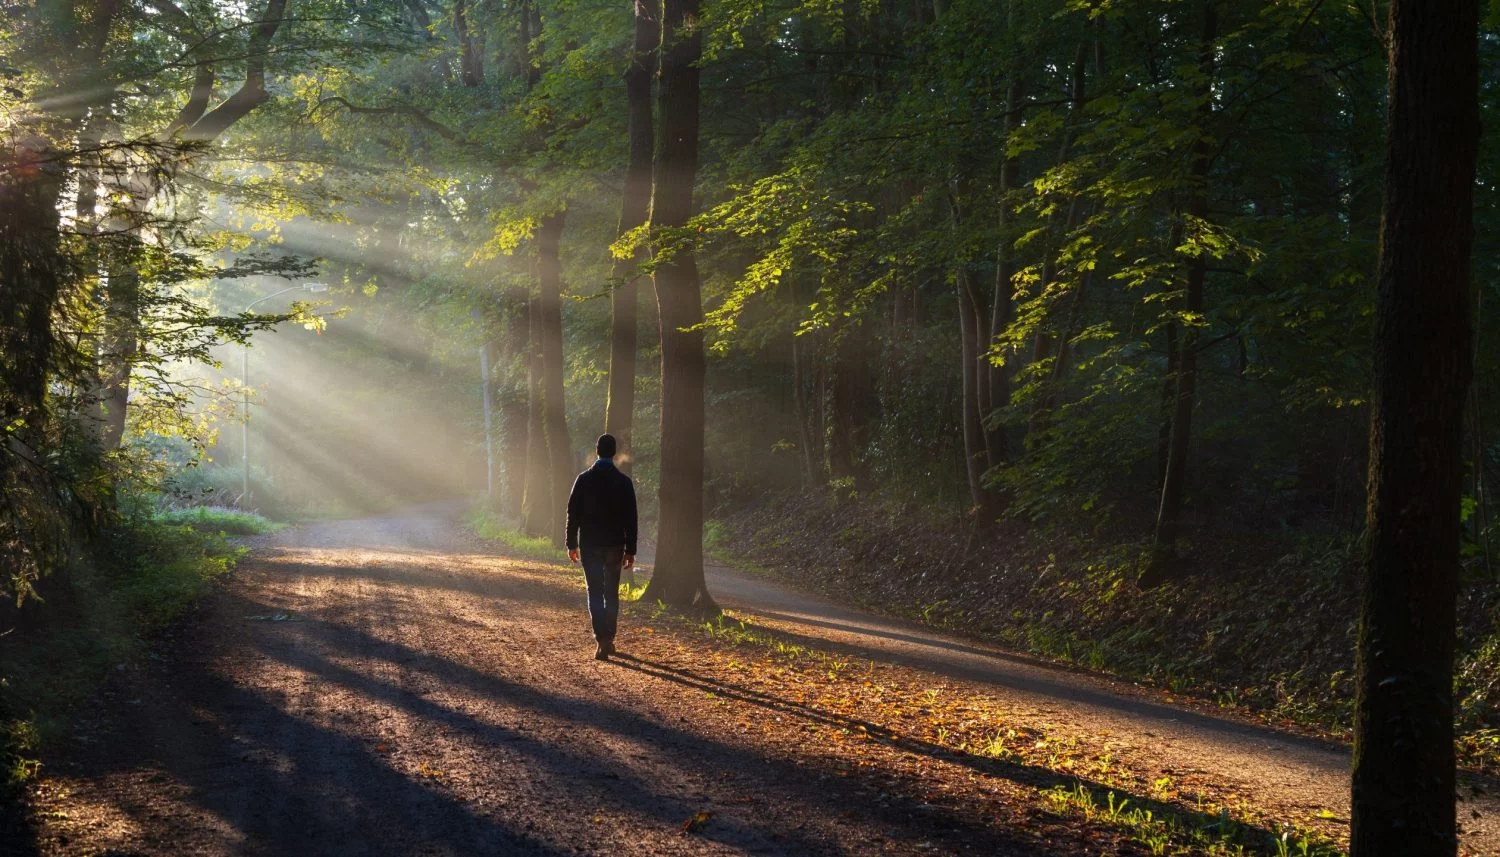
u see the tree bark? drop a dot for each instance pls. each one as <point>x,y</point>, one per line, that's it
<point>537,513</point>
<point>1172,491</point>
<point>470,59</point>
<point>514,414</point>
<point>975,455</point>
<point>1042,345</point>
<point>1403,781</point>
<point>678,577</point>
<point>121,341</point>
<point>619,408</point>
<point>852,407</point>
<point>997,377</point>
<point>810,471</point>
<point>560,465</point>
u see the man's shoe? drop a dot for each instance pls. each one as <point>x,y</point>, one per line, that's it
<point>609,648</point>
<point>602,652</point>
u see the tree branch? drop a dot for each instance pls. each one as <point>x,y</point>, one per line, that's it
<point>252,93</point>
<point>197,103</point>
<point>394,110</point>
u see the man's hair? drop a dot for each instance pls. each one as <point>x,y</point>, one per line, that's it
<point>606,446</point>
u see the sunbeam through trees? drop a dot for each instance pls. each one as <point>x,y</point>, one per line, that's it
<point>1148,336</point>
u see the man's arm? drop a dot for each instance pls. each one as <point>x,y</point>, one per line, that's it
<point>573,522</point>
<point>630,521</point>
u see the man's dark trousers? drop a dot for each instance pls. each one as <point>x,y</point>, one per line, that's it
<point>601,569</point>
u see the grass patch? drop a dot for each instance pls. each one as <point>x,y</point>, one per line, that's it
<point>96,616</point>
<point>1166,830</point>
<point>490,527</point>
<point>217,519</point>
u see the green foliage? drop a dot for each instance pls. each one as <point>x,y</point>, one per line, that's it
<point>212,519</point>
<point>146,574</point>
<point>1164,829</point>
<point>490,527</point>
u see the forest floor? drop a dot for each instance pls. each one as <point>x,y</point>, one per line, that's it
<point>392,686</point>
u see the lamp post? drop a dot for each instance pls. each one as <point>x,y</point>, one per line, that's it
<point>245,390</point>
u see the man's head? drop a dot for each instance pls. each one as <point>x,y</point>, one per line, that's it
<point>606,446</point>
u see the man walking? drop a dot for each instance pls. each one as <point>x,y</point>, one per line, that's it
<point>601,535</point>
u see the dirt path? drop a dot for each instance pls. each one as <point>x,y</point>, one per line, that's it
<point>1289,776</point>
<point>389,686</point>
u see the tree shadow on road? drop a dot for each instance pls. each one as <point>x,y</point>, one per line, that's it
<point>1032,776</point>
<point>1032,678</point>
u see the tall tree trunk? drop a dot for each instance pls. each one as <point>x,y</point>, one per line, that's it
<point>31,184</point>
<point>470,58</point>
<point>1172,489</point>
<point>810,471</point>
<point>117,354</point>
<point>975,456</point>
<point>514,414</point>
<point>1168,400</point>
<point>1042,345</point>
<point>619,407</point>
<point>997,377</point>
<point>975,400</point>
<point>678,578</point>
<point>537,513</point>
<point>560,465</point>
<point>1403,781</point>
<point>851,407</point>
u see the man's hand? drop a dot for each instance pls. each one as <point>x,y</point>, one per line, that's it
<point>573,554</point>
<point>629,561</point>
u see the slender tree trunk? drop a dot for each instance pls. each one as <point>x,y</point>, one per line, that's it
<point>678,578</point>
<point>1042,345</point>
<point>560,465</point>
<point>804,430</point>
<point>975,457</point>
<point>119,346</point>
<point>1172,490</point>
<point>1168,400</point>
<point>975,401</point>
<point>997,378</point>
<point>514,413</point>
<point>1403,781</point>
<point>619,407</point>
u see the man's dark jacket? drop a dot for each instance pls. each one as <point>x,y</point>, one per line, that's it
<point>601,509</point>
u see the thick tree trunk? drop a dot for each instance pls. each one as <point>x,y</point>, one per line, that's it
<point>619,408</point>
<point>1403,782</point>
<point>678,578</point>
<point>560,464</point>
<point>471,56</point>
<point>537,512</point>
<point>31,184</point>
<point>852,407</point>
<point>1173,482</point>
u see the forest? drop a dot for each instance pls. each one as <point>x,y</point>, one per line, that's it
<point>1148,338</point>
